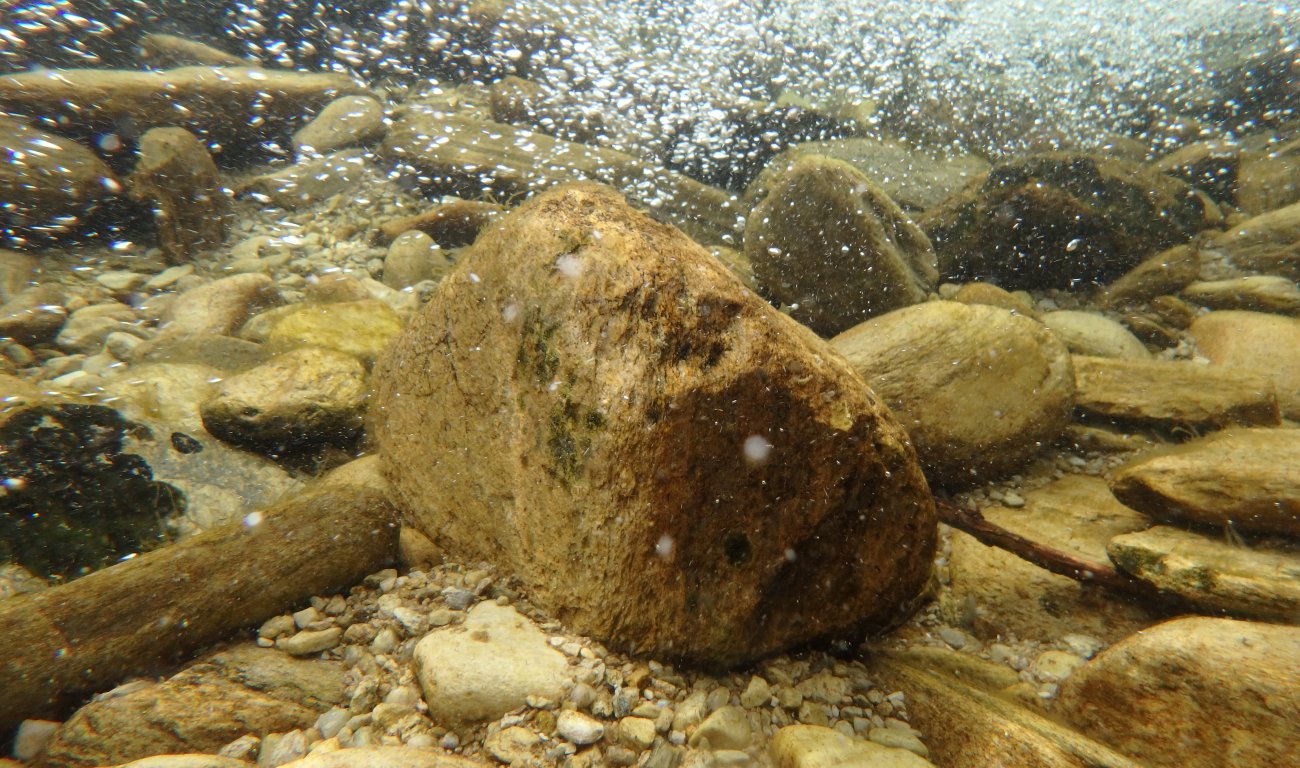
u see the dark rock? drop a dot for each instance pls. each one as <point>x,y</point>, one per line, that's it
<point>177,176</point>
<point>49,185</point>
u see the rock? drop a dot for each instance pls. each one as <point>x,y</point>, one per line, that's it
<point>1173,393</point>
<point>1165,272</point>
<point>49,185</point>
<point>18,272</point>
<point>1255,341</point>
<point>386,757</point>
<point>301,399</point>
<point>350,121</point>
<point>464,156</point>
<point>414,257</point>
<point>1235,477</point>
<point>979,389</point>
<point>186,761</point>
<point>361,329</point>
<point>637,732</point>
<point>812,746</point>
<point>1265,244</point>
<point>177,177</point>
<point>993,296</point>
<point>1267,180</point>
<point>1054,666</point>
<point>896,738</point>
<point>996,594</point>
<point>309,642</point>
<point>32,737</point>
<point>1053,220</point>
<point>579,728</point>
<point>451,225</point>
<point>912,179</point>
<point>310,181</point>
<point>1266,293</point>
<point>1214,574</point>
<point>726,728</point>
<point>1193,693</point>
<point>219,307</point>
<point>832,246</point>
<point>523,102</point>
<point>242,690</point>
<point>34,315</point>
<point>162,51</point>
<point>578,334</point>
<point>1208,165</point>
<point>88,328</point>
<point>227,105</point>
<point>1087,333</point>
<point>487,666</point>
<point>515,745</point>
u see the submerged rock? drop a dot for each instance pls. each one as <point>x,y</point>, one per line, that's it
<point>311,181</point>
<point>829,244</point>
<point>350,121</point>
<point>1088,333</point>
<point>1173,393</point>
<point>1192,692</point>
<point>586,381</point>
<point>1255,341</point>
<point>814,746</point>
<point>1266,244</point>
<point>48,184</point>
<point>1266,293</point>
<point>980,389</point>
<point>176,175</point>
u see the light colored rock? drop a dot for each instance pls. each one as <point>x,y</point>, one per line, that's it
<point>1087,333</point>
<point>88,327</point>
<point>515,745</point>
<point>452,224</point>
<point>161,51</point>
<point>487,666</point>
<point>579,728</point>
<point>896,738</point>
<point>1054,666</point>
<point>1214,574</point>
<point>757,694</point>
<point>34,315</point>
<point>1246,478</point>
<point>349,121</point>
<point>32,737</point>
<point>309,642</point>
<point>186,761</point>
<point>219,307</point>
<point>1265,293</point>
<point>227,105</point>
<point>169,393</point>
<point>1267,180</point>
<point>307,397</point>
<point>830,245</point>
<point>310,181</point>
<point>979,389</point>
<point>637,732</point>
<point>48,184</point>
<point>726,727</point>
<point>361,329</point>
<point>1255,341</point>
<point>813,746</point>
<point>177,177</point>
<point>386,757</point>
<point>414,257</point>
<point>1193,693</point>
<point>1266,244</point>
<point>579,352</point>
<point>1173,392</point>
<point>18,272</point>
<point>993,296</point>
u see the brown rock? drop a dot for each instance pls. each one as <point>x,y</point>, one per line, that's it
<point>48,184</point>
<point>1268,180</point>
<point>243,690</point>
<point>176,175</point>
<point>979,389</point>
<point>832,246</point>
<point>523,102</point>
<point>161,51</point>
<point>310,181</point>
<point>18,272</point>
<point>596,379</point>
<point>1254,341</point>
<point>1173,393</point>
<point>1266,293</point>
<point>350,121</point>
<point>451,225</point>
<point>1208,165</point>
<point>1165,272</point>
<point>993,296</point>
<point>1214,573</point>
<point>1266,244</point>
<point>1193,693</point>
<point>34,315</point>
<point>219,307</point>
<point>1246,478</point>
<point>387,757</point>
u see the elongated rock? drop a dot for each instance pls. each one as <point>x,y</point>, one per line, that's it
<point>145,614</point>
<point>1173,393</point>
<point>48,184</point>
<point>1247,478</point>
<point>178,177</point>
<point>593,402</point>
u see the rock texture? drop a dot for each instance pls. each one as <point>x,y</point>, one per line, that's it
<point>176,175</point>
<point>814,746</point>
<point>1088,333</point>
<point>1193,693</point>
<point>1266,293</point>
<point>1268,243</point>
<point>346,122</point>
<point>830,245</point>
<point>1246,478</point>
<point>979,388</point>
<point>1173,393</point>
<point>587,382</point>
<point>1255,341</point>
<point>48,184</point>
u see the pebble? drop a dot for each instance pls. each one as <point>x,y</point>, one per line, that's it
<point>637,732</point>
<point>1054,666</point>
<point>309,642</point>
<point>953,637</point>
<point>756,694</point>
<point>331,722</point>
<point>32,737</point>
<point>727,728</point>
<point>579,728</point>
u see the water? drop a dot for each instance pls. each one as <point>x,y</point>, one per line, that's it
<point>1049,249</point>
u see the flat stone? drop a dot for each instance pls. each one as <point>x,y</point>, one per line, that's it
<point>1265,293</point>
<point>361,329</point>
<point>815,746</point>
<point>546,367</point>
<point>897,738</point>
<point>178,178</point>
<point>32,737</point>
<point>387,757</point>
<point>451,225</point>
<point>48,184</point>
<point>186,761</point>
<point>1191,691</point>
<point>993,296</point>
<point>34,315</point>
<point>1173,393</point>
<point>1267,244</point>
<point>1255,341</point>
<point>487,666</point>
<point>309,642</point>
<point>162,51</point>
<point>412,258</point>
<point>311,181</point>
<point>1267,180</point>
<point>514,745</point>
<point>88,327</point>
<point>1259,582</point>
<point>579,728</point>
<point>1239,477</point>
<point>219,307</point>
<point>350,121</point>
<point>979,388</point>
<point>1087,333</point>
<point>637,732</point>
<point>726,728</point>
<point>18,272</point>
<point>1162,273</point>
<point>830,245</point>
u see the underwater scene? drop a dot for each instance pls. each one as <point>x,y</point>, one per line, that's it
<point>654,383</point>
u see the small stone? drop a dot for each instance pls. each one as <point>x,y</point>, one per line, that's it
<point>276,627</point>
<point>726,728</point>
<point>280,748</point>
<point>331,722</point>
<point>309,642</point>
<point>1086,646</point>
<point>579,728</point>
<point>953,637</point>
<point>120,280</point>
<point>756,694</point>
<point>306,616</point>
<point>32,737</point>
<point>513,746</point>
<point>1054,666</point>
<point>637,732</point>
<point>898,739</point>
<point>244,748</point>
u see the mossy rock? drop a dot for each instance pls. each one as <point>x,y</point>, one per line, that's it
<point>358,328</point>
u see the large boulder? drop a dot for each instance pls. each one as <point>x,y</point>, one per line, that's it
<point>979,388</point>
<point>827,242</point>
<point>593,402</point>
<point>1053,220</point>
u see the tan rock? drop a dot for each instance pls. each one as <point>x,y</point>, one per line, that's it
<point>1208,165</point>
<point>227,105</point>
<point>185,761</point>
<point>812,746</point>
<point>1165,272</point>
<point>1267,180</point>
<point>48,184</point>
<point>310,181</point>
<point>1088,333</point>
<point>1266,244</point>
<point>34,315</point>
<point>1173,393</point>
<point>1266,293</point>
<point>1255,341</point>
<point>993,296</point>
<point>358,328</point>
<point>412,258</point>
<point>1239,477</point>
<point>830,245</point>
<point>580,356</point>
<point>387,757</point>
<point>224,696</point>
<point>219,307</point>
<point>350,121</point>
<point>1214,574</point>
<point>1193,693</point>
<point>176,175</point>
<point>979,389</point>
<point>18,272</point>
<point>304,398</point>
<point>161,51</point>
